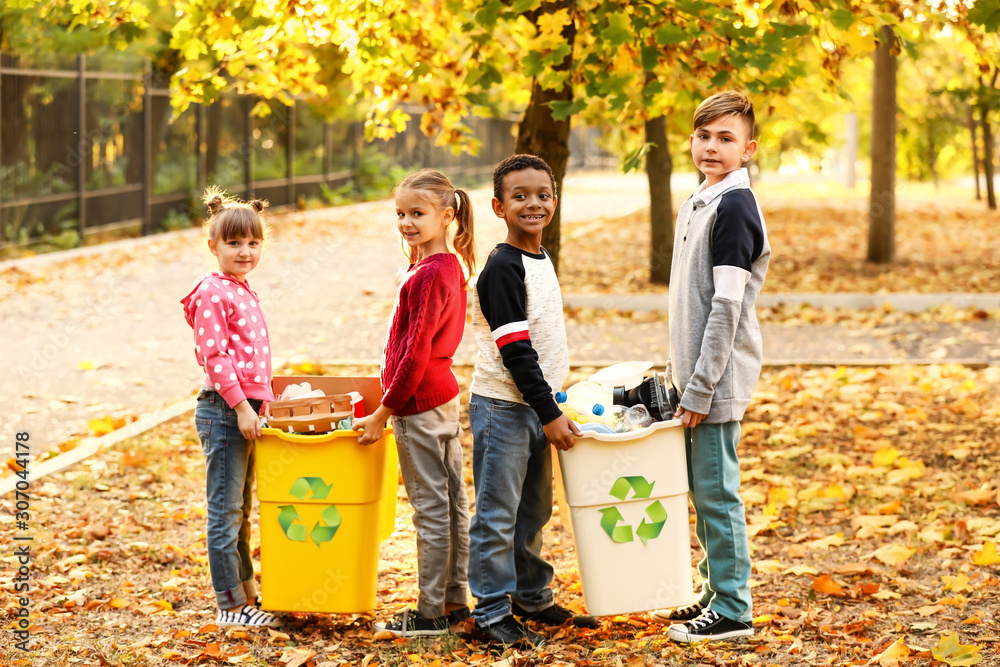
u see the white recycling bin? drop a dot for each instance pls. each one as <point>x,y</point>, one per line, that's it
<point>627,495</point>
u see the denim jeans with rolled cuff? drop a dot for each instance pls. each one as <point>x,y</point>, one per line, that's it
<point>512,469</point>
<point>229,477</point>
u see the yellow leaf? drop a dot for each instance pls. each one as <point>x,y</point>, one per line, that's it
<point>958,583</point>
<point>86,365</point>
<point>100,427</point>
<point>827,542</point>
<point>886,456</point>
<point>118,603</point>
<point>892,656</point>
<point>893,554</point>
<point>951,652</point>
<point>987,555</point>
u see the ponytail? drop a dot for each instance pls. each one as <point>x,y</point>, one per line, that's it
<point>447,195</point>
<point>464,241</point>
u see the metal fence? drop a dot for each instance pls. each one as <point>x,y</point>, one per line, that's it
<point>87,145</point>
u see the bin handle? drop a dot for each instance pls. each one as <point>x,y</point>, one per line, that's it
<point>630,435</point>
<point>313,439</point>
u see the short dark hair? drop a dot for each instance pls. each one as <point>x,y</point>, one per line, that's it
<point>519,163</point>
<point>726,103</point>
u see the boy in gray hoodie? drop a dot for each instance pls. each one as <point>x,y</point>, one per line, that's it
<point>719,261</point>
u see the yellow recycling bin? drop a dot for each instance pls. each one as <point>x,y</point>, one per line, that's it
<point>627,496</point>
<point>326,503</point>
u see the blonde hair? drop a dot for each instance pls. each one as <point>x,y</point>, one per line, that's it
<point>726,103</point>
<point>230,218</point>
<point>445,195</point>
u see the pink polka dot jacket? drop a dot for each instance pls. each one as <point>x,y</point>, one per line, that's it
<point>230,337</point>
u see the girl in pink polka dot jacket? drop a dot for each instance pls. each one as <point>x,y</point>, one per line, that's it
<point>232,345</point>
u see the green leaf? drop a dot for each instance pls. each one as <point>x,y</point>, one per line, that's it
<point>761,61</point>
<point>985,13</point>
<point>522,6</point>
<point>842,19</point>
<point>789,31</point>
<point>633,161</point>
<point>951,652</point>
<point>532,64</point>
<point>670,34</point>
<point>650,58</point>
<point>487,16</point>
<point>619,29</point>
<point>562,110</point>
<point>720,78</point>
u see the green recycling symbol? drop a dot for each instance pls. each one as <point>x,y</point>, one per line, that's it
<point>289,514</point>
<point>611,516</point>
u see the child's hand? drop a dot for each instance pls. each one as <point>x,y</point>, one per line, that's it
<point>688,419</point>
<point>562,432</point>
<point>247,420</point>
<point>372,426</point>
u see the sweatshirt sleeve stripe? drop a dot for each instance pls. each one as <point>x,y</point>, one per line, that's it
<point>508,333</point>
<point>730,282</point>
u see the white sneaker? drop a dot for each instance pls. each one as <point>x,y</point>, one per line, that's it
<point>247,617</point>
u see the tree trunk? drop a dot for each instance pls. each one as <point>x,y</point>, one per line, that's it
<point>984,119</point>
<point>539,134</point>
<point>975,151</point>
<point>882,202</point>
<point>659,167</point>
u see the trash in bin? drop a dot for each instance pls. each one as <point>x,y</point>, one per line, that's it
<point>326,503</point>
<point>627,496</point>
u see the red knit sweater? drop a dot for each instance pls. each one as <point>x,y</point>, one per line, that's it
<point>428,319</point>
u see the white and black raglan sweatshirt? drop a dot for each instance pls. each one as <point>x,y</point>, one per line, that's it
<point>517,320</point>
<point>720,259</point>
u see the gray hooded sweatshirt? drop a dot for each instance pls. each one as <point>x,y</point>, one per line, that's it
<point>719,262</point>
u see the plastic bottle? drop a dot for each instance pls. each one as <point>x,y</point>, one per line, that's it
<point>579,413</point>
<point>584,396</point>
<point>638,417</point>
<point>616,418</point>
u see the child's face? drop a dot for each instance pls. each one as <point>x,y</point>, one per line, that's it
<point>238,256</point>
<point>528,202</point>
<point>421,223</point>
<point>721,147</point>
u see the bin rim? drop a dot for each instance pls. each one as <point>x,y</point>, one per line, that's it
<point>630,435</point>
<point>316,438</point>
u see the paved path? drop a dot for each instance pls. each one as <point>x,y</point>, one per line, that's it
<point>99,330</point>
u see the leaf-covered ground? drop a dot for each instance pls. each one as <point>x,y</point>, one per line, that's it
<point>872,498</point>
<point>818,243</point>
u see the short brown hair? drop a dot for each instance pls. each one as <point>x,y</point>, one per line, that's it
<point>229,218</point>
<point>726,103</point>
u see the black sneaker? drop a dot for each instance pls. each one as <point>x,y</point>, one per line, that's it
<point>409,623</point>
<point>459,616</point>
<point>556,615</point>
<point>708,626</point>
<point>247,616</point>
<point>509,632</point>
<point>685,613</point>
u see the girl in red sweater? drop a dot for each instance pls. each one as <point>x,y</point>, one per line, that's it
<point>421,395</point>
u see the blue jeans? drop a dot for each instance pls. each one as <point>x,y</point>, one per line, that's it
<point>229,475</point>
<point>720,524</point>
<point>512,469</point>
